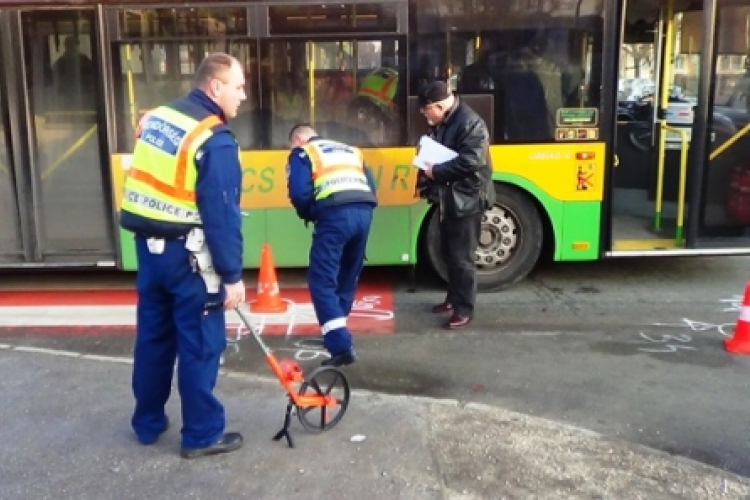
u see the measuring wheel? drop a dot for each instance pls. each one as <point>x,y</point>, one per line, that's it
<point>328,382</point>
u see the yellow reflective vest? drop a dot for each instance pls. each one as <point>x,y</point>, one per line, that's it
<point>337,168</point>
<point>161,182</point>
<point>380,87</point>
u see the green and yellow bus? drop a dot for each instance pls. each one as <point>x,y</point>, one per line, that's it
<point>619,127</point>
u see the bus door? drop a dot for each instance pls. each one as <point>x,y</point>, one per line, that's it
<point>52,170</point>
<point>667,196</point>
<point>720,167</point>
<point>653,132</point>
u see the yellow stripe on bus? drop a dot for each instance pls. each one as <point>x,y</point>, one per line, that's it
<point>648,244</point>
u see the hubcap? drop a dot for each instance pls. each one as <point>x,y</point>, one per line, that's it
<point>499,237</point>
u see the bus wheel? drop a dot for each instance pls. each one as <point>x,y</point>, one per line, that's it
<point>509,244</point>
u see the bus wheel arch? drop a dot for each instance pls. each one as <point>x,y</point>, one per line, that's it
<point>511,242</point>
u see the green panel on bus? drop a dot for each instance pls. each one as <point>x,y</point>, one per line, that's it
<point>391,241</point>
<point>580,238</point>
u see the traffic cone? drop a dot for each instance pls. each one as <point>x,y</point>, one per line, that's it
<point>269,299</point>
<point>740,341</point>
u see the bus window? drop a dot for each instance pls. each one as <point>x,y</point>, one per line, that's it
<point>153,67</point>
<point>533,58</point>
<point>347,77</point>
<point>349,90</point>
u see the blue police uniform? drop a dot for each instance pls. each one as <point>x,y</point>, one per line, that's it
<point>177,317</point>
<point>342,219</point>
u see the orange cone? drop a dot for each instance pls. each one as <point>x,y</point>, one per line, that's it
<point>740,341</point>
<point>269,299</point>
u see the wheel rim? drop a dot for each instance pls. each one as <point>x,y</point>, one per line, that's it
<point>328,381</point>
<point>499,239</point>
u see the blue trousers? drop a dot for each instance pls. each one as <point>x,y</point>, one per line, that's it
<point>173,322</point>
<point>336,259</point>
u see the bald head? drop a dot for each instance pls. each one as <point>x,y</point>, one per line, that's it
<point>301,135</point>
<point>214,66</point>
<point>221,77</point>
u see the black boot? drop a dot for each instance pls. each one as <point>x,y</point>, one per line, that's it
<point>226,443</point>
<point>342,359</point>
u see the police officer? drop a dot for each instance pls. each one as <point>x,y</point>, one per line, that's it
<point>380,88</point>
<point>374,108</point>
<point>182,202</point>
<point>330,186</point>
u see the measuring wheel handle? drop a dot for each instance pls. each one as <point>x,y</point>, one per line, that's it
<point>323,399</point>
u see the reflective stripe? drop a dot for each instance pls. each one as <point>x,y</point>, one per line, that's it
<point>336,167</point>
<point>161,181</point>
<point>333,324</point>
<point>745,313</point>
<point>323,171</point>
<point>342,184</point>
<point>162,187</point>
<point>180,213</point>
<point>381,91</point>
<point>183,158</point>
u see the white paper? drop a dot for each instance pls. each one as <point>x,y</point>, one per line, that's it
<point>431,151</point>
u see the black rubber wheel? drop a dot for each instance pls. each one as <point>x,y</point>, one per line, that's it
<point>329,381</point>
<point>509,244</point>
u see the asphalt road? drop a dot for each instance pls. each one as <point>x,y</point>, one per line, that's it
<point>628,348</point>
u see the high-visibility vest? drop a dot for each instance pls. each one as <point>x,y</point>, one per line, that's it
<point>161,182</point>
<point>336,168</point>
<point>380,87</point>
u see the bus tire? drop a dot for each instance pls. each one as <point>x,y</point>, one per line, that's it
<point>509,244</point>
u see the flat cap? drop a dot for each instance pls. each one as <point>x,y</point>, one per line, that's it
<point>433,92</point>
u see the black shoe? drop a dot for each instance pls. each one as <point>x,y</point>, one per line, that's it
<point>226,443</point>
<point>342,359</point>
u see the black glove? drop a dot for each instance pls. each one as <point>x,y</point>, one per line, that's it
<point>426,188</point>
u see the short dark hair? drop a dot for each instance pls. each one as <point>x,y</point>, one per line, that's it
<point>298,128</point>
<point>214,65</point>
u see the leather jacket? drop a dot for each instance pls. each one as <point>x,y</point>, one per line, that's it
<point>463,186</point>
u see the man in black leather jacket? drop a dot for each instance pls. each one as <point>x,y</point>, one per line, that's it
<point>462,187</point>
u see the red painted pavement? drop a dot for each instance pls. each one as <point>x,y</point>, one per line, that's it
<point>372,312</point>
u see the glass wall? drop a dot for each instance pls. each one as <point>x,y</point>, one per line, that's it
<point>348,87</point>
<point>347,78</point>
<point>727,179</point>
<point>159,51</point>
<point>10,231</point>
<point>62,75</point>
<point>533,58</point>
<point>149,74</point>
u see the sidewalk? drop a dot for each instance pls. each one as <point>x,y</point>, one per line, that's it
<point>65,434</point>
<point>89,302</point>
